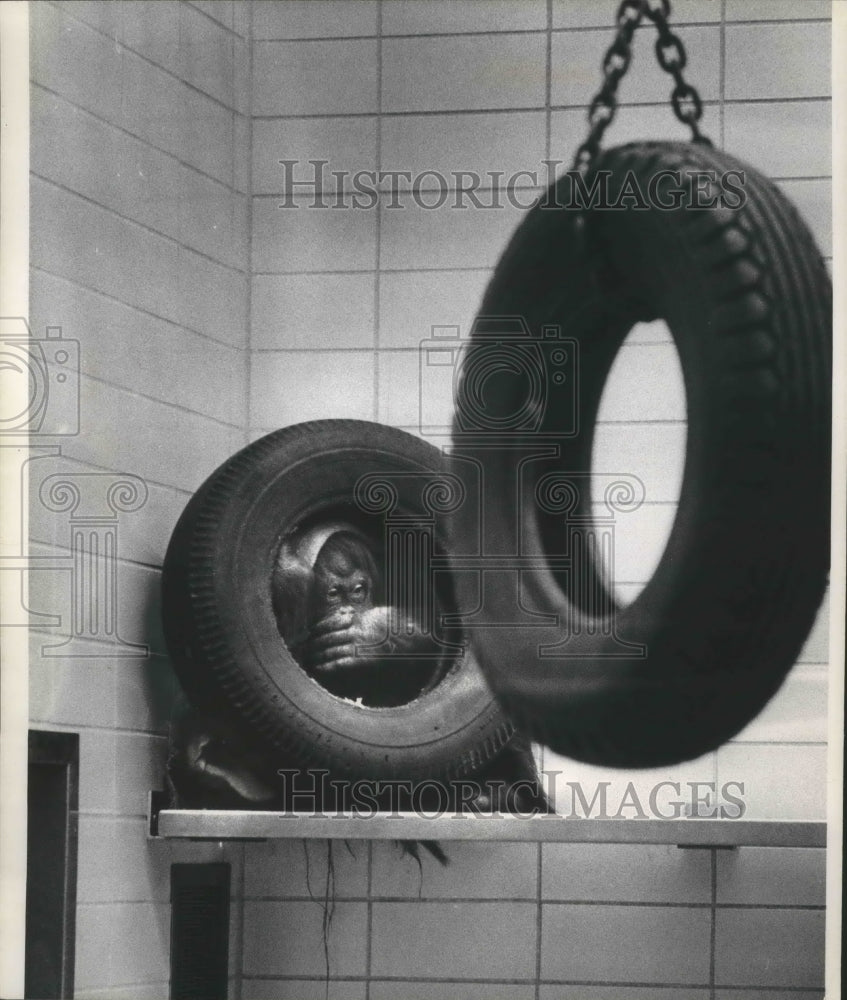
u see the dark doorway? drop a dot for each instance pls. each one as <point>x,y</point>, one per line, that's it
<point>51,864</point>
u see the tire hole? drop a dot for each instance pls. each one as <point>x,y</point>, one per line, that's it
<point>639,440</point>
<point>356,627</point>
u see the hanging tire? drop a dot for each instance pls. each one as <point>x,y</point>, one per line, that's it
<point>712,635</point>
<point>223,633</point>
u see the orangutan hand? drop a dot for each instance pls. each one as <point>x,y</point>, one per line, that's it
<point>340,641</point>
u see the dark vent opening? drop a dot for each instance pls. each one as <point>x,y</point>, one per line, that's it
<point>199,931</point>
<point>52,823</point>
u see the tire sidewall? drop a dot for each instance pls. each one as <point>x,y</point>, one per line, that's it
<point>236,529</point>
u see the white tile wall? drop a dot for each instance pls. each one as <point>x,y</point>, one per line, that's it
<point>570,14</point>
<point>302,311</point>
<point>411,303</point>
<point>157,233</point>
<point>426,17</point>
<point>625,873</point>
<point>463,73</point>
<point>576,75</point>
<point>417,238</point>
<point>763,952</point>
<point>283,393</point>
<point>776,10</point>
<point>308,78</point>
<point>470,940</point>
<point>280,938</point>
<point>774,61</point>
<point>419,990</point>
<point>229,13</point>
<point>631,124</point>
<point>618,993</point>
<point>664,944</point>
<point>348,144</point>
<point>476,871</point>
<point>299,868</point>
<point>813,198</point>
<point>173,282</point>
<point>305,989</point>
<point>134,350</point>
<point>508,142</point>
<point>306,238</point>
<point>314,19</point>
<point>804,148</point>
<point>781,780</point>
<point>771,876</point>
<point>465,87</point>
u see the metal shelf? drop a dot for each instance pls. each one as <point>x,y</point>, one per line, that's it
<point>222,824</point>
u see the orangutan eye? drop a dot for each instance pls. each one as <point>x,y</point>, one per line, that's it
<point>332,592</point>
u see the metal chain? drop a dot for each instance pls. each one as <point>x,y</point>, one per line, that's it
<point>670,52</point>
<point>615,64</point>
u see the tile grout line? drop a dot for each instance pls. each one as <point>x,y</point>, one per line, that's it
<point>350,272</point>
<point>225,27</point>
<point>518,900</point>
<point>538,108</point>
<point>799,991</point>
<point>181,244</point>
<point>713,877</point>
<point>79,284</point>
<point>248,359</point>
<point>239,958</point>
<point>713,863</point>
<point>500,33</point>
<point>539,920</point>
<point>365,271</point>
<point>548,147</point>
<point>145,59</point>
<point>548,85</point>
<point>369,932</point>
<point>138,394</point>
<point>133,136</point>
<point>378,220</point>
<point>722,77</point>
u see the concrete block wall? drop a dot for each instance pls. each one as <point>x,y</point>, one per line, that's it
<point>140,250</point>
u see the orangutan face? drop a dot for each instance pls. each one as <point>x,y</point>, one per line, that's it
<point>343,579</point>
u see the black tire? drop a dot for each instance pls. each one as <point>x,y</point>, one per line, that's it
<point>222,632</point>
<point>748,300</point>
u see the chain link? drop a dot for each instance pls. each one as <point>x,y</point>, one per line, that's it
<point>615,64</point>
<point>670,52</point>
<point>671,55</point>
